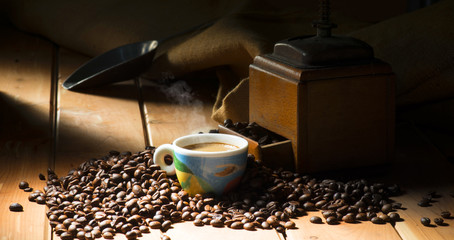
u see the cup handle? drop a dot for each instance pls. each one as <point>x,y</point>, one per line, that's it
<point>159,155</point>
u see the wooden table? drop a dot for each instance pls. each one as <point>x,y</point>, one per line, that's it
<point>42,126</point>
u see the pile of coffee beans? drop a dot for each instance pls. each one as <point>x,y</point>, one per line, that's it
<point>126,193</point>
<point>254,132</point>
<point>438,220</point>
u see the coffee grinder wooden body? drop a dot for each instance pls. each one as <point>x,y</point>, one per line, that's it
<point>335,102</point>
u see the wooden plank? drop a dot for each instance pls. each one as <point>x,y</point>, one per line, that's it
<point>426,170</point>
<point>360,230</point>
<point>93,122</point>
<point>177,109</point>
<point>181,230</point>
<point>25,77</point>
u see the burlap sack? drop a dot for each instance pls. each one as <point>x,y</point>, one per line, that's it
<point>418,45</point>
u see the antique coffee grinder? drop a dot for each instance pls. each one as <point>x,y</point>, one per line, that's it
<point>329,96</point>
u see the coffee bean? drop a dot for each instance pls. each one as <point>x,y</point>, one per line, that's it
<point>328,213</point>
<point>439,221</point>
<point>96,233</point>
<point>331,220</point>
<point>445,214</point>
<point>23,185</point>
<point>384,217</point>
<point>108,229</point>
<point>273,221</point>
<point>309,206</point>
<point>236,225</point>
<point>41,177</point>
<point>315,219</point>
<point>198,222</point>
<point>249,226</point>
<point>361,217</point>
<point>386,208</point>
<point>280,229</point>
<point>80,235</point>
<point>425,202</point>
<point>394,216</point>
<point>144,229</point>
<point>377,220</point>
<point>206,221</point>
<point>165,237</point>
<point>228,123</point>
<point>290,225</point>
<point>66,236</point>
<point>425,221</point>
<point>265,225</point>
<point>40,200</point>
<point>16,207</point>
<point>155,225</point>
<point>131,235</point>
<point>396,205</point>
<point>371,215</point>
<point>349,218</point>
<point>108,235</point>
<point>217,223</point>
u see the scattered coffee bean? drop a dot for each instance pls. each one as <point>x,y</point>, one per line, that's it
<point>41,177</point>
<point>425,221</point>
<point>165,237</point>
<point>438,221</point>
<point>108,235</point>
<point>425,202</point>
<point>16,207</point>
<point>445,214</point>
<point>23,185</point>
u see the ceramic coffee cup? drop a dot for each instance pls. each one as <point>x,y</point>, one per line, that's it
<point>200,170</point>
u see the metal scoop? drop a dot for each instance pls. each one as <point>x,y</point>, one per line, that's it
<point>119,64</point>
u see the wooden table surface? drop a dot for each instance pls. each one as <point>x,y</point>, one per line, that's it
<point>42,126</point>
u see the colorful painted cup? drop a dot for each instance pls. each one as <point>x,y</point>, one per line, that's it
<point>204,172</point>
